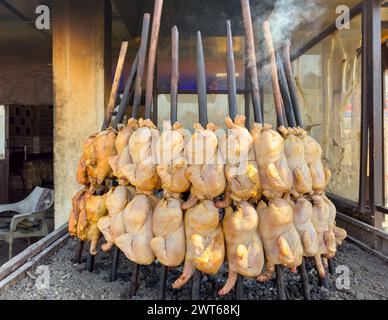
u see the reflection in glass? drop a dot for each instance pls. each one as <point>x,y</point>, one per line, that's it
<point>328,78</point>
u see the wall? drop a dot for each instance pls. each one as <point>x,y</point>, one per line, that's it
<point>80,86</point>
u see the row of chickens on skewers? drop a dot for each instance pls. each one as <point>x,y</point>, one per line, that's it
<point>270,185</point>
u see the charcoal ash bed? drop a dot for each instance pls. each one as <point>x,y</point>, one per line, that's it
<point>69,280</point>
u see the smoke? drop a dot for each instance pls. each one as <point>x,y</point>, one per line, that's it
<point>285,16</point>
<point>288,15</point>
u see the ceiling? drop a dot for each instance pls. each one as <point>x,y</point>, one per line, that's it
<point>207,15</point>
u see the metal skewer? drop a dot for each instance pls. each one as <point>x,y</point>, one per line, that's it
<point>294,109</point>
<point>135,114</point>
<point>202,110</point>
<point>285,92</point>
<point>280,121</point>
<point>232,95</point>
<point>292,123</point>
<point>173,118</point>
<point>105,125</point>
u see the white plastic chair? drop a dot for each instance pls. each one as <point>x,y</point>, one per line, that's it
<point>29,220</point>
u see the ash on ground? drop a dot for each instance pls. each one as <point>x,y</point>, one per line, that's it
<point>367,276</point>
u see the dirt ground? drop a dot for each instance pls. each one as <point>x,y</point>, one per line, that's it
<point>367,280</point>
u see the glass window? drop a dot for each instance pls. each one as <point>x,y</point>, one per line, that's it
<point>217,105</point>
<point>215,62</point>
<point>328,79</point>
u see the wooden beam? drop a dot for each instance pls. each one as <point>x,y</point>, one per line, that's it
<point>23,257</point>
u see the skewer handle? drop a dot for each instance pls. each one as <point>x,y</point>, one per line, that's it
<point>274,75</point>
<point>285,92</point>
<point>201,82</point>
<point>140,66</point>
<point>174,73</point>
<point>128,92</point>
<point>231,72</point>
<point>152,56</point>
<point>291,82</point>
<point>251,57</point>
<point>115,85</point>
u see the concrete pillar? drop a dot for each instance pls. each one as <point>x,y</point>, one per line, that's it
<point>81,67</point>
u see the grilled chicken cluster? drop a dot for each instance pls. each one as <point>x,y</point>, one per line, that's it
<point>272,170</point>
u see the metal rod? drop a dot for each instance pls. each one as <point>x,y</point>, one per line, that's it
<point>196,286</point>
<point>201,82</point>
<point>134,280</point>
<point>274,75</point>
<point>280,282</point>
<point>155,96</point>
<point>240,288</point>
<point>372,102</point>
<point>140,66</point>
<point>324,281</point>
<point>115,263</point>
<point>285,92</point>
<point>90,262</point>
<point>231,73</point>
<point>78,251</point>
<point>291,83</point>
<point>305,280</point>
<point>162,283</point>
<point>128,92</point>
<point>174,73</point>
<point>116,83</point>
<point>331,264</point>
<point>251,59</point>
<point>247,96</point>
<point>152,56</point>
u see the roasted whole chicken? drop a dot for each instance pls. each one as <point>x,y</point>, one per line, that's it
<point>245,253</point>
<point>132,229</point>
<point>87,162</point>
<point>295,153</point>
<point>303,215</point>
<point>206,169</point>
<point>168,244</point>
<point>339,233</point>
<point>172,165</point>
<point>75,211</point>
<point>275,174</point>
<point>205,247</point>
<point>280,238</point>
<point>323,225</point>
<point>90,209</point>
<point>313,154</point>
<point>104,146</point>
<point>116,200</point>
<point>141,172</point>
<point>123,156</point>
<point>241,170</point>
